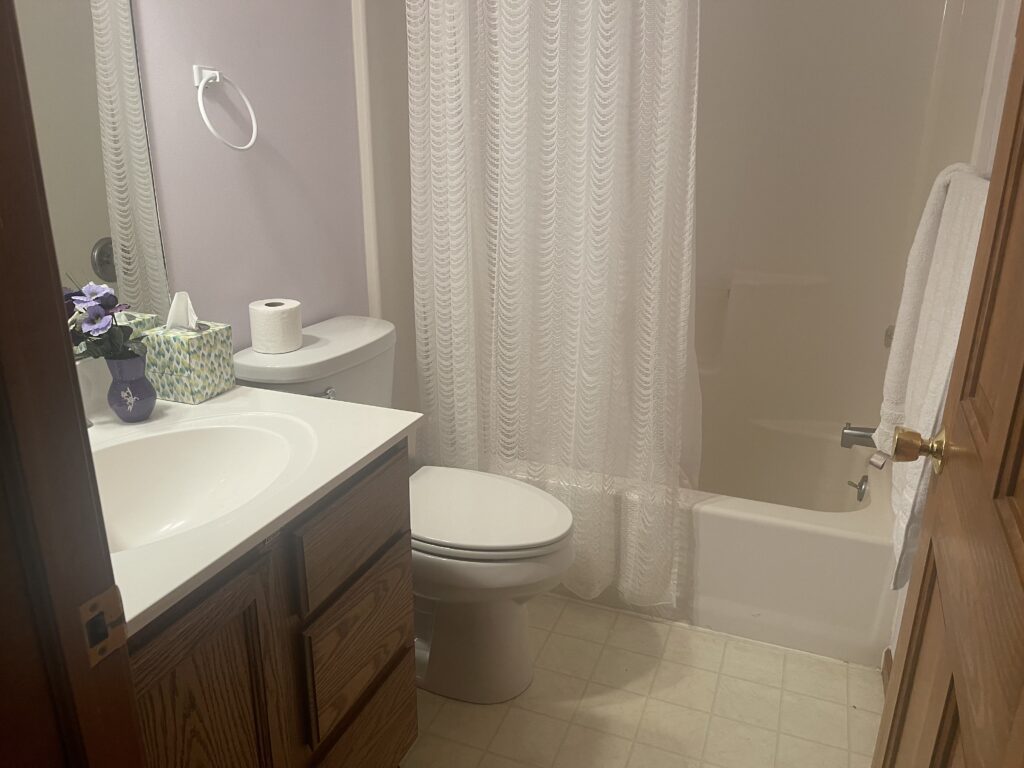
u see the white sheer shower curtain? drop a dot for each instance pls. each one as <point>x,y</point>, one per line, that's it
<point>552,148</point>
<point>131,199</point>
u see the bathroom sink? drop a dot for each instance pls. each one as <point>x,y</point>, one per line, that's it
<point>154,486</point>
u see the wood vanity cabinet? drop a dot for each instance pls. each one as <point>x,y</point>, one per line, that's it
<point>301,652</point>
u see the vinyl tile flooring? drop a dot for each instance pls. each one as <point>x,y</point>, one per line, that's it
<point>615,690</point>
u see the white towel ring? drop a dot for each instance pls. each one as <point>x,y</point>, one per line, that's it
<point>203,76</point>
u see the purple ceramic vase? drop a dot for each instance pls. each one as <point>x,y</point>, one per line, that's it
<point>130,396</point>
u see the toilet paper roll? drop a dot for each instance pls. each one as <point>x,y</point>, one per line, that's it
<point>276,325</point>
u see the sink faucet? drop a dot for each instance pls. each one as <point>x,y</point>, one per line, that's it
<point>851,436</point>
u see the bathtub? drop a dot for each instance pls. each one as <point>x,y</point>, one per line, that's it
<point>815,579</point>
<point>778,570</point>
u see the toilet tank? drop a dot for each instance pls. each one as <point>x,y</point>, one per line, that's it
<point>344,358</point>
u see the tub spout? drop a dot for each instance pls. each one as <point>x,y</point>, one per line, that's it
<point>851,436</point>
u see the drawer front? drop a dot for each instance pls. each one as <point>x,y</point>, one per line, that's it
<point>357,637</point>
<point>343,534</point>
<point>384,730</point>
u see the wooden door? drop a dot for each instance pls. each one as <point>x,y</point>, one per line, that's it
<point>61,703</point>
<point>956,694</point>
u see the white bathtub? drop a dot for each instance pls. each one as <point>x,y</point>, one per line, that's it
<point>811,573</point>
<point>813,580</point>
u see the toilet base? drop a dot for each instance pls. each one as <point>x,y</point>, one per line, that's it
<point>478,652</point>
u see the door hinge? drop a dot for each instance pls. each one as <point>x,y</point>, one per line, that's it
<point>103,625</point>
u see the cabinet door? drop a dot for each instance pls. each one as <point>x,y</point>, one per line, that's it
<point>205,685</point>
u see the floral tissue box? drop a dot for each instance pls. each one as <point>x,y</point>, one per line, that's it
<point>137,321</point>
<point>189,366</point>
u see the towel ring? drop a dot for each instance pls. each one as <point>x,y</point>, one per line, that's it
<point>203,76</point>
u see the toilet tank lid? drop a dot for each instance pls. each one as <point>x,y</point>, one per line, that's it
<point>327,348</point>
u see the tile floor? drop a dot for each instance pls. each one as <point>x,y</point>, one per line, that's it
<point>614,690</point>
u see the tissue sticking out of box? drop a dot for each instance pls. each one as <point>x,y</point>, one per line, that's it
<point>276,325</point>
<point>181,314</point>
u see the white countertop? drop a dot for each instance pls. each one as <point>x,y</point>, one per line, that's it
<point>345,438</point>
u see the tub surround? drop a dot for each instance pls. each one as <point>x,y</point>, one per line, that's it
<point>340,440</point>
<point>782,332</point>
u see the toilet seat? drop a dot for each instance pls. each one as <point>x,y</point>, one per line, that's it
<point>488,555</point>
<point>467,515</point>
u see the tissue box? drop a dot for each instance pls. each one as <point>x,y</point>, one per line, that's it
<point>190,366</point>
<point>137,321</point>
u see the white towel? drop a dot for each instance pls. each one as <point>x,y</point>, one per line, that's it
<point>931,311</point>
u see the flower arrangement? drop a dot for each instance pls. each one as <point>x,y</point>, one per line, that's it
<point>94,331</point>
<point>93,326</point>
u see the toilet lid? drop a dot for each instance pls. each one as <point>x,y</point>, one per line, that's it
<point>463,509</point>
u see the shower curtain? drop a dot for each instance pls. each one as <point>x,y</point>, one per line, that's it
<point>552,154</point>
<point>131,199</point>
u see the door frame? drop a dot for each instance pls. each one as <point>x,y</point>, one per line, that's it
<point>49,502</point>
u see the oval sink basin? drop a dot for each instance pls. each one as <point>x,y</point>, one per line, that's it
<point>160,485</point>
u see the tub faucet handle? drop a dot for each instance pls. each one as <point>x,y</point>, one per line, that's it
<point>862,487</point>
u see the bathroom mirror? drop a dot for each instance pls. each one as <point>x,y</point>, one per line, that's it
<point>90,127</point>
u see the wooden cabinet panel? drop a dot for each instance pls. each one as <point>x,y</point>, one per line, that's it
<point>346,532</point>
<point>358,636</point>
<point>385,729</point>
<point>201,684</point>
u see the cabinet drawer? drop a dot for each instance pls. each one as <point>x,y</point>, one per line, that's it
<point>384,730</point>
<point>357,637</point>
<point>346,531</point>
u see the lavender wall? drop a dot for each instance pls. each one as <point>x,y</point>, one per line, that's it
<point>284,218</point>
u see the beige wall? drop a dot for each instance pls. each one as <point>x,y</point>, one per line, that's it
<point>997,76</point>
<point>820,129</point>
<point>56,40</point>
<point>389,118</point>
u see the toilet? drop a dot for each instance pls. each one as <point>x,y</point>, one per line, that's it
<point>482,544</point>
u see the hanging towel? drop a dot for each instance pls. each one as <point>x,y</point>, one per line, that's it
<point>927,331</point>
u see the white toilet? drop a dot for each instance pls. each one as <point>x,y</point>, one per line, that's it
<point>482,544</point>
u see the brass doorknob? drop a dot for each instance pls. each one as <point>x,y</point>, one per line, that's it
<point>910,446</point>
